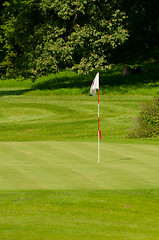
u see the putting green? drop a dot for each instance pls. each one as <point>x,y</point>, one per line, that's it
<point>73,165</point>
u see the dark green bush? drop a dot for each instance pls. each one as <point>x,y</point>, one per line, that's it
<point>147,123</point>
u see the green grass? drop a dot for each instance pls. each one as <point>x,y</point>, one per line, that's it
<point>51,186</point>
<point>74,166</point>
<point>36,118</point>
<point>86,215</point>
<point>69,83</point>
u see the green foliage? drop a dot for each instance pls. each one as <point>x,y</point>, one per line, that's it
<point>42,37</point>
<point>84,40</point>
<point>18,22</point>
<point>147,123</point>
<point>39,37</point>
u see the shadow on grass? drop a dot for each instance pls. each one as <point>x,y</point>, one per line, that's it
<point>56,81</point>
<point>110,79</point>
<point>14,92</point>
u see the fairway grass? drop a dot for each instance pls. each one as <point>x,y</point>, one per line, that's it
<point>74,166</point>
<point>79,215</point>
<point>66,118</point>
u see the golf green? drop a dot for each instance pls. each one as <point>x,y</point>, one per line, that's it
<point>74,166</point>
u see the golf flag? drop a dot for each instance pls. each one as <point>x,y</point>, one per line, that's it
<point>95,85</point>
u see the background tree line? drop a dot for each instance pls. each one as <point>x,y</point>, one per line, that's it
<point>38,37</point>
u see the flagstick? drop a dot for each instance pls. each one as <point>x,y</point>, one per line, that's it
<point>94,87</point>
<point>98,130</point>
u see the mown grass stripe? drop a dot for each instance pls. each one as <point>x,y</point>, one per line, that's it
<point>73,165</point>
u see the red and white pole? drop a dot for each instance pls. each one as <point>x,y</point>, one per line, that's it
<point>94,87</point>
<point>99,132</point>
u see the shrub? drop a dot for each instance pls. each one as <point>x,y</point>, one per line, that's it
<point>147,123</point>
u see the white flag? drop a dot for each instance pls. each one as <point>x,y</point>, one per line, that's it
<point>95,85</point>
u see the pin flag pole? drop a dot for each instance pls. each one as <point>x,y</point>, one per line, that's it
<point>99,133</point>
<point>94,87</point>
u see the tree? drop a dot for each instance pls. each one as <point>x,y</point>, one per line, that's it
<point>18,22</point>
<point>143,27</point>
<point>45,36</point>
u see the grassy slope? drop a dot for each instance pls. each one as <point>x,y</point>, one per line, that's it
<point>45,111</point>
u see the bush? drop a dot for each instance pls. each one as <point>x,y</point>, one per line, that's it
<point>147,123</point>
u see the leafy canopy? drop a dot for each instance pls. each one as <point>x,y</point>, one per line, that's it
<point>45,36</point>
